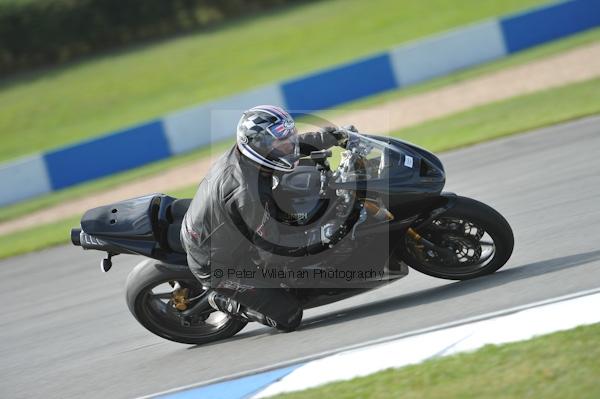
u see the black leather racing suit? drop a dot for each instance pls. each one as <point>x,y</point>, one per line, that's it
<point>231,226</point>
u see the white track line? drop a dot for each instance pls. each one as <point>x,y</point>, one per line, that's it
<point>517,326</point>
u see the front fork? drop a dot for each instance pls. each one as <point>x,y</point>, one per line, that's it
<point>412,232</point>
<point>445,253</point>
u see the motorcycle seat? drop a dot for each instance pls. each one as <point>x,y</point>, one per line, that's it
<point>178,209</point>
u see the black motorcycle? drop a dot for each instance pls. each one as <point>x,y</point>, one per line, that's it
<point>384,190</point>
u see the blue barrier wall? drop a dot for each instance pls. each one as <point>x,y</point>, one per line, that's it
<point>443,54</point>
<point>106,155</point>
<point>339,85</point>
<point>24,178</point>
<point>206,123</point>
<point>214,120</point>
<point>544,24</point>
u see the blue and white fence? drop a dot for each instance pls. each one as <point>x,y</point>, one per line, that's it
<point>201,125</point>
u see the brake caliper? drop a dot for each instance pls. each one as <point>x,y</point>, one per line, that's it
<point>179,297</point>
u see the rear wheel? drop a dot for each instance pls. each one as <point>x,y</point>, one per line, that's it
<point>170,302</point>
<point>473,240</point>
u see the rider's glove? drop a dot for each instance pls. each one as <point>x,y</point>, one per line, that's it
<point>340,135</point>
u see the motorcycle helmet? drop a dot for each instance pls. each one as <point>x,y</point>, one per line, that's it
<point>267,135</point>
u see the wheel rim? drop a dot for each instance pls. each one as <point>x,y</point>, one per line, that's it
<point>158,306</point>
<point>472,246</point>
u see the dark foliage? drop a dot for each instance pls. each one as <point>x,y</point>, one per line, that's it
<point>43,32</point>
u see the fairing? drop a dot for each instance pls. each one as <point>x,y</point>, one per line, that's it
<point>396,168</point>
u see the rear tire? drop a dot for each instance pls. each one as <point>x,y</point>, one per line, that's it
<point>160,317</point>
<point>480,215</point>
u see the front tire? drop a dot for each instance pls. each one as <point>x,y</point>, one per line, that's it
<point>480,238</point>
<point>149,297</point>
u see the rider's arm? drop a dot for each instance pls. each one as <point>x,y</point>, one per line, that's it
<point>322,140</point>
<point>256,223</point>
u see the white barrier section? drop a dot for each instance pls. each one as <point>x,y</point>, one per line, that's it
<point>204,124</point>
<point>22,179</point>
<point>448,52</point>
<point>414,349</point>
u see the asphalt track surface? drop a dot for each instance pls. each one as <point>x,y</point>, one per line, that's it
<point>65,330</point>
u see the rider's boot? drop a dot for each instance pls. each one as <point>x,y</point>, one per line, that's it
<point>224,303</point>
<point>230,306</point>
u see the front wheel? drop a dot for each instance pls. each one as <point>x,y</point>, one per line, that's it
<point>472,240</point>
<point>169,302</point>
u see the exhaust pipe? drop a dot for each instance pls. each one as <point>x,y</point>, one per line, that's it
<point>76,237</point>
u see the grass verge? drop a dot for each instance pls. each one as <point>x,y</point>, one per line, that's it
<point>560,365</point>
<point>22,208</point>
<point>50,108</point>
<point>479,124</point>
<point>507,117</point>
<point>37,238</point>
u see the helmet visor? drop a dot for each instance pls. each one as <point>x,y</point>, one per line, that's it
<point>285,151</point>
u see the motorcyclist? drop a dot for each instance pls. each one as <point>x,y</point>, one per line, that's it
<point>232,222</point>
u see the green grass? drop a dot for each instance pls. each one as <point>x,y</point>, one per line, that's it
<point>44,236</point>
<point>50,108</point>
<point>476,125</point>
<point>560,365</point>
<point>507,117</point>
